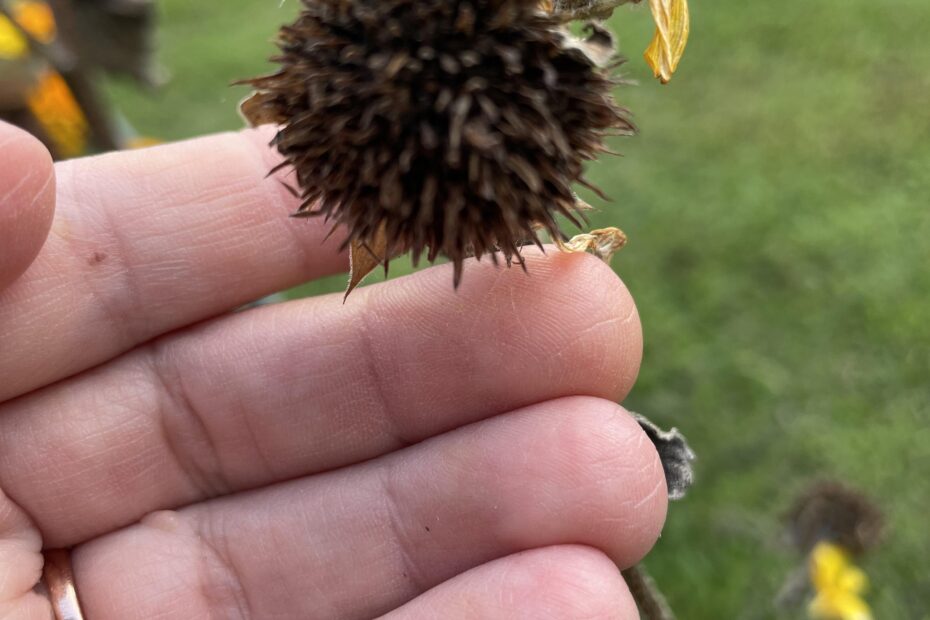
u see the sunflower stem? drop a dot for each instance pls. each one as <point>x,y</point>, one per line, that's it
<point>649,599</point>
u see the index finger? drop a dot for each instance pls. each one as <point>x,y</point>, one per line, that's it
<point>149,241</point>
<point>27,200</point>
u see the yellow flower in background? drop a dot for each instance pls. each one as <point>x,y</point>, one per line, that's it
<point>50,100</point>
<point>12,43</point>
<point>56,109</point>
<point>838,585</point>
<point>36,18</point>
<point>673,24</point>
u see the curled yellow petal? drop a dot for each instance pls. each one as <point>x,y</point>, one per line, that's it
<point>603,243</point>
<point>668,44</point>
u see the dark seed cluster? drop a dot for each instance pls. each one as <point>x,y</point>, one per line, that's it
<point>452,127</point>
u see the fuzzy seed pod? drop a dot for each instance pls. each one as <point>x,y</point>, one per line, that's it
<point>444,127</point>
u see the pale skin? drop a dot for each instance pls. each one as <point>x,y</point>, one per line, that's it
<point>418,452</point>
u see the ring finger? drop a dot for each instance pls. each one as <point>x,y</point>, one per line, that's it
<point>363,540</point>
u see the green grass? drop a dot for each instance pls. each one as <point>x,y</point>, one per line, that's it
<point>777,205</point>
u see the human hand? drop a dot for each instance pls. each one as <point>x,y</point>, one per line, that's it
<point>418,452</point>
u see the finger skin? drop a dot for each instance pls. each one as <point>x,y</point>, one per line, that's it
<point>27,203</point>
<point>20,565</point>
<point>148,241</point>
<point>363,540</point>
<point>294,389</point>
<point>554,583</point>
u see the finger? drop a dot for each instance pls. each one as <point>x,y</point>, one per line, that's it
<point>20,565</point>
<point>361,541</point>
<point>27,201</point>
<point>569,582</point>
<point>147,241</point>
<point>298,388</point>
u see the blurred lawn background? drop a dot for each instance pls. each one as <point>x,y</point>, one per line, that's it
<point>776,202</point>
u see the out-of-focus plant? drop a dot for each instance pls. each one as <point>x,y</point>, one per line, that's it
<point>50,54</point>
<point>838,585</point>
<point>831,525</point>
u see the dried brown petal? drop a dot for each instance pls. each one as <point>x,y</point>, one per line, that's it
<point>364,258</point>
<point>255,111</point>
<point>602,242</point>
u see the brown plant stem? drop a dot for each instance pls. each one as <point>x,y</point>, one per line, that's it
<point>571,10</point>
<point>649,599</point>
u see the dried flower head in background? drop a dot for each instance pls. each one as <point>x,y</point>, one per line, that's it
<point>830,524</point>
<point>830,511</point>
<point>437,127</point>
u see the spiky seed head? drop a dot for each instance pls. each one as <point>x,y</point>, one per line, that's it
<point>453,127</point>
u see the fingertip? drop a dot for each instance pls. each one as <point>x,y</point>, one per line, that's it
<point>580,310</point>
<point>608,321</point>
<point>613,468</point>
<point>568,581</point>
<point>27,200</point>
<point>613,450</point>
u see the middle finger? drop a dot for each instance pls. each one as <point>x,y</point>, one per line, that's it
<point>286,391</point>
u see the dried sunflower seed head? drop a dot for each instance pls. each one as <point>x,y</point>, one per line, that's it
<point>437,127</point>
<point>830,511</point>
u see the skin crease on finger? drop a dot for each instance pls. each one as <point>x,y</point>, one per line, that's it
<point>278,392</point>
<point>574,470</point>
<point>27,200</point>
<point>148,241</point>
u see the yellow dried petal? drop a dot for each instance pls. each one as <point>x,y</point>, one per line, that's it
<point>602,242</point>
<point>671,37</point>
